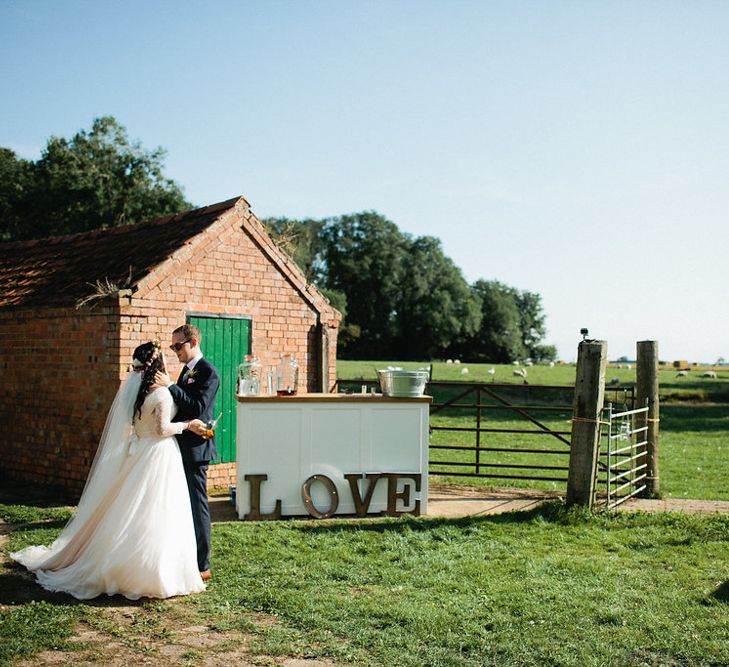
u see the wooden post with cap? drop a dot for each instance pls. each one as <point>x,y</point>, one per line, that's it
<point>647,394</point>
<point>586,408</point>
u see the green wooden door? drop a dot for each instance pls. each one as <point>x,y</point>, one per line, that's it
<point>225,341</point>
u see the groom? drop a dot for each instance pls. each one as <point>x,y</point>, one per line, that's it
<point>194,394</point>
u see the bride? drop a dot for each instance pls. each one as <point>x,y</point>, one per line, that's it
<point>132,533</point>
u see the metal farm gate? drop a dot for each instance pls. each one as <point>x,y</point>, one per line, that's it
<point>504,431</point>
<point>500,431</point>
<point>622,466</point>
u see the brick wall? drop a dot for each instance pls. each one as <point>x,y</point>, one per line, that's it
<point>60,372</point>
<point>62,367</point>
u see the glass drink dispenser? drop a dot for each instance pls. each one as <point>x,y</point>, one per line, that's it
<point>287,376</point>
<point>249,377</point>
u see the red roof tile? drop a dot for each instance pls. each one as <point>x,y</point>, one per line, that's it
<point>59,271</point>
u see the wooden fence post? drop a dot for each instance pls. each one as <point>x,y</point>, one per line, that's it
<point>647,392</point>
<point>589,393</point>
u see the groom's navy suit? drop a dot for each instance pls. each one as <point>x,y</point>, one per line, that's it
<point>194,395</point>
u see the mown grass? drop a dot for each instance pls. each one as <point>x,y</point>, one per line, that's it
<point>41,623</point>
<point>548,587</point>
<point>37,626</point>
<point>694,451</point>
<point>28,514</point>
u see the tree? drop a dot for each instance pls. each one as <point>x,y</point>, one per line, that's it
<point>512,326</point>
<point>363,256</point>
<point>14,181</point>
<point>401,297</point>
<point>533,328</point>
<point>499,338</point>
<point>97,179</point>
<point>437,308</point>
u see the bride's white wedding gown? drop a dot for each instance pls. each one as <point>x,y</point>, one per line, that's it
<point>139,539</point>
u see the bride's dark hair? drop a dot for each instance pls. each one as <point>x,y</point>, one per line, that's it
<point>147,360</point>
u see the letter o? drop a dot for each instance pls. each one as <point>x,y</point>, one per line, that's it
<point>309,503</point>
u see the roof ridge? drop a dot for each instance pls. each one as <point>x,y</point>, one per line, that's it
<point>120,229</point>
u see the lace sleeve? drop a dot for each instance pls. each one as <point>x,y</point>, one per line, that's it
<point>163,416</point>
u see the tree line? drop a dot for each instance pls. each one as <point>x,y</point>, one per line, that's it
<point>399,295</point>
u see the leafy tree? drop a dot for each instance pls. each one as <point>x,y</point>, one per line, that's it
<point>533,327</point>
<point>499,338</point>
<point>363,256</point>
<point>512,326</point>
<point>96,179</point>
<point>14,181</point>
<point>437,308</point>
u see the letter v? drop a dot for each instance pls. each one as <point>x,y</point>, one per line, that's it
<point>362,505</point>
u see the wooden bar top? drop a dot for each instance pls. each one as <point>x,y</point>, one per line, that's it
<point>334,398</point>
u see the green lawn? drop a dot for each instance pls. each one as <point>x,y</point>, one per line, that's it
<point>548,587</point>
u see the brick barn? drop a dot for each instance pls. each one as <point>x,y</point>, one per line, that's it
<point>61,361</point>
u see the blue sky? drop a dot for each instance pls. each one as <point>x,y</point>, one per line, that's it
<point>575,149</point>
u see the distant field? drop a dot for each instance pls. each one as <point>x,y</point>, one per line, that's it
<point>690,388</point>
<point>694,444</point>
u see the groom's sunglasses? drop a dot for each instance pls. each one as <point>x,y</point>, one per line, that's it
<point>176,347</point>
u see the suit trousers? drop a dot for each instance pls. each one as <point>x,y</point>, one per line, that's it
<point>196,473</point>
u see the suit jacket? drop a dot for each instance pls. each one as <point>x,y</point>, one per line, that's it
<point>195,399</point>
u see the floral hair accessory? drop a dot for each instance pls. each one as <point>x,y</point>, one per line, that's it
<point>143,366</point>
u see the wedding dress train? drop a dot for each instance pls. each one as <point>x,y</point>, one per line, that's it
<point>136,536</point>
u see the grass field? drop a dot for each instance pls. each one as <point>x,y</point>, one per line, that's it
<point>694,441</point>
<point>691,388</point>
<point>550,587</point>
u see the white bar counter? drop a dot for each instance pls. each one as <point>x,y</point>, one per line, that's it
<point>320,455</point>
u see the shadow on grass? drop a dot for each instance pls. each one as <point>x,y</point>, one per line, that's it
<point>551,511</point>
<point>35,525</point>
<point>721,594</point>
<point>18,587</point>
<point>694,418</point>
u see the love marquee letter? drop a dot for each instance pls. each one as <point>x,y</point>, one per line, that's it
<point>255,513</point>
<point>309,503</point>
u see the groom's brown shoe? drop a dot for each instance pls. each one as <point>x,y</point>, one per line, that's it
<point>206,576</point>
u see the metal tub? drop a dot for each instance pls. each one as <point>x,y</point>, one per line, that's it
<point>403,384</point>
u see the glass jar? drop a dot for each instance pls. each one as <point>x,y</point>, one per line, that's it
<point>249,377</point>
<point>287,376</point>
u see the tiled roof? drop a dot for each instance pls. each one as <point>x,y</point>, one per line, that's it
<point>59,271</point>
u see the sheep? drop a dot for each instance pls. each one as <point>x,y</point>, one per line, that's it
<point>520,372</point>
<point>682,374</point>
<point>456,361</point>
<point>614,382</point>
<point>551,364</point>
<point>464,371</point>
<point>516,363</point>
<point>449,361</point>
<point>709,374</point>
<point>491,371</point>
